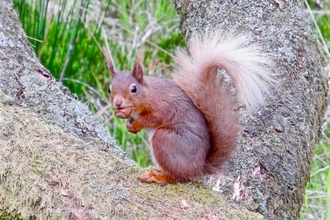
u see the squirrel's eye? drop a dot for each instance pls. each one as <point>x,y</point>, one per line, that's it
<point>133,88</point>
<point>109,89</point>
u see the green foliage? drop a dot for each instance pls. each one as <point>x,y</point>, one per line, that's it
<point>324,24</point>
<point>65,35</point>
<point>317,198</point>
<point>62,42</point>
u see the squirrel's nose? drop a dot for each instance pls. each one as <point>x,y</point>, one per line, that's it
<point>118,103</point>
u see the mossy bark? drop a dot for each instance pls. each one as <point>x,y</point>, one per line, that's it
<point>57,162</point>
<point>270,168</point>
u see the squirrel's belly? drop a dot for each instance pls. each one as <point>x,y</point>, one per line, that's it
<point>150,133</point>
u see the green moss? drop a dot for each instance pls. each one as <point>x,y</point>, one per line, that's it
<point>7,216</point>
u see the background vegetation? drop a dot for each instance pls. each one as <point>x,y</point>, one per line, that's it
<point>67,34</point>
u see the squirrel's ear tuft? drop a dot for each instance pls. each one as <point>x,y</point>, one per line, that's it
<point>112,69</point>
<point>108,57</point>
<point>137,72</point>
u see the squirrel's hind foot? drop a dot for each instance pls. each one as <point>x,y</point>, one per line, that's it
<point>155,176</point>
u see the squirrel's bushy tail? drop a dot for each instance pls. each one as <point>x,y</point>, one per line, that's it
<point>197,75</point>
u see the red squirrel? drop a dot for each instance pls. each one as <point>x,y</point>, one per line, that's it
<point>191,120</point>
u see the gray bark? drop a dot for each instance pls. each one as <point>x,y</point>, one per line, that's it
<point>57,162</point>
<point>270,168</point>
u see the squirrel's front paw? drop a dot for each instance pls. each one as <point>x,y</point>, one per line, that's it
<point>129,125</point>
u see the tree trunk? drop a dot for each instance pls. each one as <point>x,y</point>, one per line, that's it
<point>270,168</point>
<point>57,162</point>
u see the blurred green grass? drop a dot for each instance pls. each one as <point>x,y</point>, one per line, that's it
<point>65,35</point>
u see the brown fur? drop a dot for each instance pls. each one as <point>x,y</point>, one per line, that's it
<point>192,119</point>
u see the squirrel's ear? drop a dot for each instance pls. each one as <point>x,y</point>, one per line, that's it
<point>111,67</point>
<point>137,72</point>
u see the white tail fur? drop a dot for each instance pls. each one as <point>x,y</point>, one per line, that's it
<point>244,62</point>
